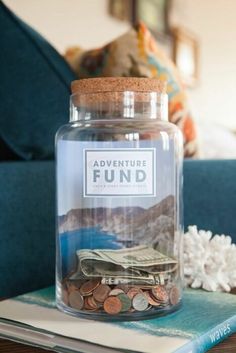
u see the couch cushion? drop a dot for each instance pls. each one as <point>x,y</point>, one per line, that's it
<point>210,195</point>
<point>34,90</point>
<point>27,241</point>
<point>137,53</point>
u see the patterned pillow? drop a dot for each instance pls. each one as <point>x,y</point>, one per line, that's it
<point>137,53</point>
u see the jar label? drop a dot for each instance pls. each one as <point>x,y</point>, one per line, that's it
<point>133,203</point>
<point>119,172</point>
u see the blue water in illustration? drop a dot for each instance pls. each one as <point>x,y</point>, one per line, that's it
<point>83,238</point>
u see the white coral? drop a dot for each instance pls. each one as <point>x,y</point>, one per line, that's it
<point>209,261</point>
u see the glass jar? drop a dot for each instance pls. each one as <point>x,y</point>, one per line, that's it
<point>119,202</point>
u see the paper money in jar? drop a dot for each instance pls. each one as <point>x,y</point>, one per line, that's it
<point>117,282</point>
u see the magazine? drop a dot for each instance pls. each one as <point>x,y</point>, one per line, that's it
<point>204,320</point>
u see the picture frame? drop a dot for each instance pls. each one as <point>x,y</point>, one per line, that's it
<point>186,55</point>
<point>155,14</point>
<point>121,9</point>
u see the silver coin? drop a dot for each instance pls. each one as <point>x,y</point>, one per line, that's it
<point>76,300</point>
<point>115,292</point>
<point>140,302</point>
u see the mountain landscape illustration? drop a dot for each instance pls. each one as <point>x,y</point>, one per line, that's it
<point>154,225</point>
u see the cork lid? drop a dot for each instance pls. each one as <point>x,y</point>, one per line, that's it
<point>117,84</point>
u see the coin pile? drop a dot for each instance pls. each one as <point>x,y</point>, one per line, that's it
<point>92,295</point>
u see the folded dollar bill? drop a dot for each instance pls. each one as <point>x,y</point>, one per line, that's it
<point>140,262</point>
<point>138,256</point>
<point>146,282</point>
<point>126,280</point>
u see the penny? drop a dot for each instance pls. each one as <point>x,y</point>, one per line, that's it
<point>151,300</point>
<point>99,304</point>
<point>101,293</point>
<point>71,287</point>
<point>112,305</point>
<point>140,302</point>
<point>76,300</point>
<point>125,301</point>
<point>74,284</point>
<point>64,297</point>
<point>160,294</point>
<point>174,295</point>
<point>116,291</point>
<point>124,287</point>
<point>88,287</point>
<point>87,305</point>
<point>133,291</point>
<point>92,302</point>
<point>79,282</point>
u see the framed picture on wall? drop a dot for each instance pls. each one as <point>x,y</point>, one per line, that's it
<point>154,13</point>
<point>186,55</point>
<point>121,9</point>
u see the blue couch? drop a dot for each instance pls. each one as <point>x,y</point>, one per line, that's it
<point>27,222</point>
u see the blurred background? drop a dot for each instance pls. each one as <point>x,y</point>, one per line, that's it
<point>199,36</point>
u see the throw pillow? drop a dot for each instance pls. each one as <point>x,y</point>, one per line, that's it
<point>34,90</point>
<point>137,53</point>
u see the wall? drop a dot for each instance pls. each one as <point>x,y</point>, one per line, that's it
<point>70,22</point>
<point>214,99</point>
<point>88,24</point>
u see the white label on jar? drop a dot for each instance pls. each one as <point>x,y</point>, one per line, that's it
<point>119,172</point>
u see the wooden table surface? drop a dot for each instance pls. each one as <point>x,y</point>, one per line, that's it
<point>227,346</point>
